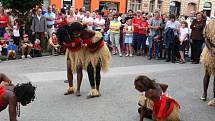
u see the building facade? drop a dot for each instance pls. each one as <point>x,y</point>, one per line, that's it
<point>177,7</point>
<point>208,6</point>
<point>91,5</point>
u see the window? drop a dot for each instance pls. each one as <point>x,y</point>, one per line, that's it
<point>87,4</point>
<point>152,6</point>
<point>136,5</point>
<point>159,4</point>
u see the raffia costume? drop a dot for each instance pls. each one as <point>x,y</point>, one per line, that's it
<point>166,109</point>
<point>207,60</point>
<point>69,37</point>
<point>96,53</point>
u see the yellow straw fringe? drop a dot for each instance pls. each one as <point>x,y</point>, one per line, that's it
<point>76,58</point>
<point>207,60</point>
<point>103,56</point>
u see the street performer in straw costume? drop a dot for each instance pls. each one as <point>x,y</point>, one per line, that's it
<point>69,36</point>
<point>154,102</point>
<point>208,59</point>
<point>97,58</point>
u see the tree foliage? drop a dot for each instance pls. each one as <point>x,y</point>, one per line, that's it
<point>22,6</point>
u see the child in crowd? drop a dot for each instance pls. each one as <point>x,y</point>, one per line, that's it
<point>11,50</point>
<point>128,37</point>
<point>7,34</point>
<point>155,104</point>
<point>37,51</point>
<point>26,47</point>
<point>183,38</point>
<point>3,47</point>
<point>16,34</point>
<point>54,45</point>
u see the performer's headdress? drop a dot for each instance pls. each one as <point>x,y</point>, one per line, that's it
<point>69,32</point>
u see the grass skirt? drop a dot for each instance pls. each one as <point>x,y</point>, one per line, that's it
<point>76,58</point>
<point>101,56</point>
<point>208,61</point>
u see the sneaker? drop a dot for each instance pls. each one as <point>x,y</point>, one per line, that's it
<point>23,57</point>
<point>120,55</point>
<point>127,55</point>
<point>131,55</point>
<point>28,56</point>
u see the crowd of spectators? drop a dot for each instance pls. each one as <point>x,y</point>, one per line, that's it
<point>153,35</point>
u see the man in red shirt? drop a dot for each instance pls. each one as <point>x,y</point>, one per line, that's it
<point>136,23</point>
<point>142,36</point>
<point>3,22</point>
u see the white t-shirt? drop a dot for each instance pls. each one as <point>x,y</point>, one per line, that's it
<point>173,25</point>
<point>16,31</point>
<point>100,22</point>
<point>87,20</point>
<point>183,33</point>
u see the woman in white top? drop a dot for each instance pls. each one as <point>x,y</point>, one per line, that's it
<point>183,37</point>
<point>99,23</point>
<point>16,34</point>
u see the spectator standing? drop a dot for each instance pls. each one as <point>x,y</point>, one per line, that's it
<point>183,38</point>
<point>16,34</point>
<point>50,16</point>
<point>39,28</point>
<point>197,27</point>
<point>136,21</point>
<point>129,14</point>
<point>88,20</point>
<point>122,37</point>
<point>171,43</point>
<point>128,37</point>
<point>3,21</point>
<point>115,25</point>
<point>143,28</point>
<point>155,25</point>
<point>99,23</point>
<point>71,17</point>
<point>26,46</point>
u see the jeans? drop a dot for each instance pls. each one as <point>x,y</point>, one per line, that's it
<point>141,43</point>
<point>196,50</point>
<point>155,44</point>
<point>2,31</point>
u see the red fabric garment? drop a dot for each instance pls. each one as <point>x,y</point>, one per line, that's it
<point>93,47</point>
<point>159,108</point>
<point>74,45</point>
<point>5,19</point>
<point>37,47</point>
<point>143,24</point>
<point>2,92</point>
<point>136,21</point>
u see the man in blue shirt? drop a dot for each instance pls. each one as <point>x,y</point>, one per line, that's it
<point>50,16</point>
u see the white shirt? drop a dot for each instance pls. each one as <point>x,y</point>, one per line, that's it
<point>88,20</point>
<point>183,33</point>
<point>39,17</point>
<point>16,31</point>
<point>100,22</point>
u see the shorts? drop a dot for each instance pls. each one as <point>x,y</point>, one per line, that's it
<point>128,39</point>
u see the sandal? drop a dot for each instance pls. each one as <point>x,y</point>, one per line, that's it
<point>93,93</point>
<point>78,93</point>
<point>70,90</point>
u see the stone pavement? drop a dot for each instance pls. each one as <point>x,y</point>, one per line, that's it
<point>119,98</point>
